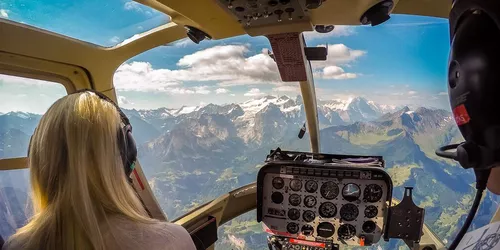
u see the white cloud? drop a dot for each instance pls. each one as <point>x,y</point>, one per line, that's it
<point>135,6</point>
<point>232,95</point>
<point>339,31</point>
<point>337,73</point>
<point>287,88</point>
<point>3,13</point>
<point>228,65</point>
<point>338,54</point>
<point>114,40</point>
<point>140,76</point>
<point>443,93</point>
<point>202,90</point>
<point>221,91</point>
<point>122,100</point>
<point>254,92</point>
<point>412,92</point>
<point>24,81</point>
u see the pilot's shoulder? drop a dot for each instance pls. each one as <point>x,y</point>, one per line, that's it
<point>175,235</point>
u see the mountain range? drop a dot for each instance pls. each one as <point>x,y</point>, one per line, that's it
<point>193,154</point>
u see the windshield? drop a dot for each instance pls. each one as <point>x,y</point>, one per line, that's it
<point>105,23</point>
<point>206,116</point>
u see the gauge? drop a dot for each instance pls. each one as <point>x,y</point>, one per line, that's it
<point>292,227</point>
<point>327,210</point>
<point>278,183</point>
<point>294,199</point>
<point>311,186</point>
<point>310,201</point>
<point>369,227</point>
<point>307,230</point>
<point>351,192</point>
<point>325,229</point>
<point>346,231</point>
<point>277,197</point>
<point>371,211</point>
<point>329,190</point>
<point>308,216</point>
<point>372,193</point>
<point>294,214</point>
<point>349,212</point>
<point>296,184</point>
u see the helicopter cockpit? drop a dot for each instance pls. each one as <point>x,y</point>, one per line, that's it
<point>225,149</point>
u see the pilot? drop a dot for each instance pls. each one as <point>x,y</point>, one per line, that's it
<point>81,196</point>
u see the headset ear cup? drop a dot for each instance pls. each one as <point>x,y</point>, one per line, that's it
<point>131,150</point>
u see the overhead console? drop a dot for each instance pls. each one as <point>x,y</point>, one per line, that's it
<point>257,15</point>
<point>320,201</point>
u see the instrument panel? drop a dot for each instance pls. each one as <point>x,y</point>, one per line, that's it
<point>341,205</point>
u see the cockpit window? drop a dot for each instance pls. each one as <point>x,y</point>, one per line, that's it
<point>22,103</point>
<point>205,116</point>
<point>105,23</point>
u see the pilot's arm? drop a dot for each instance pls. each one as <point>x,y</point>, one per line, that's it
<point>494,181</point>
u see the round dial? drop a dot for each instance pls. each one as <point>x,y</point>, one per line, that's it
<point>351,192</point>
<point>325,229</point>
<point>292,227</point>
<point>327,210</point>
<point>372,193</point>
<point>278,183</point>
<point>296,184</point>
<point>371,211</point>
<point>369,227</point>
<point>294,214</point>
<point>277,197</point>
<point>310,201</point>
<point>329,190</point>
<point>307,230</point>
<point>294,199</point>
<point>311,186</point>
<point>346,231</point>
<point>308,216</point>
<point>349,212</point>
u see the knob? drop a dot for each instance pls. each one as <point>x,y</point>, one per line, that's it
<point>313,4</point>
<point>279,13</point>
<point>289,11</point>
<point>267,14</point>
<point>272,3</point>
<point>249,19</point>
<point>230,4</point>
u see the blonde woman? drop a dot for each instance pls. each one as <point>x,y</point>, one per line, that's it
<point>78,161</point>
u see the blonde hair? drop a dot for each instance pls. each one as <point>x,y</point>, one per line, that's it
<point>77,176</point>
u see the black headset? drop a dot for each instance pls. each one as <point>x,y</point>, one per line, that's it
<point>474,92</point>
<point>126,143</point>
<point>474,82</point>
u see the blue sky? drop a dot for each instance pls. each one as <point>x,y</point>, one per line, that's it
<point>401,62</point>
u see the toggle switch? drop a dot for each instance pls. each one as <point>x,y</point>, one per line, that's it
<point>289,11</point>
<point>279,13</point>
